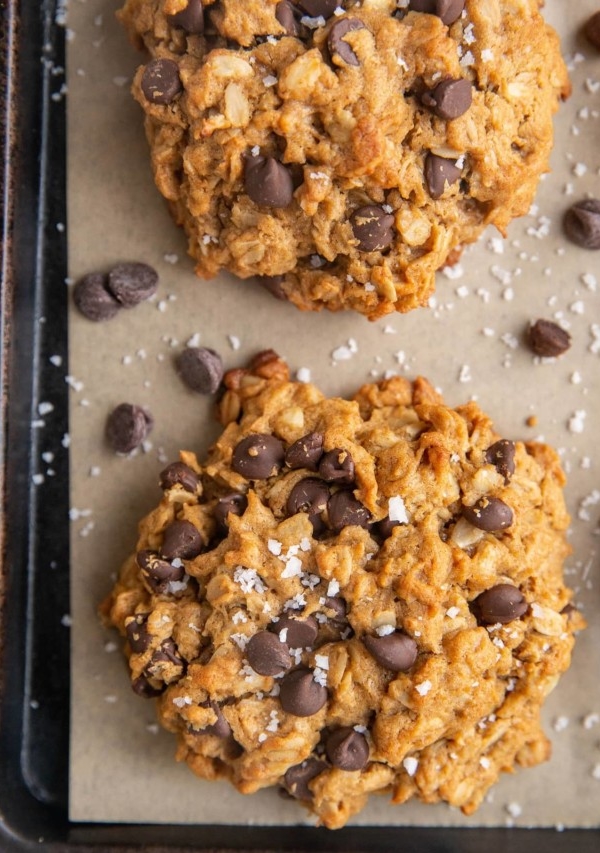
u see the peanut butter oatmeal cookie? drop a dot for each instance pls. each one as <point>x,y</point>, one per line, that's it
<point>351,596</point>
<point>344,151</point>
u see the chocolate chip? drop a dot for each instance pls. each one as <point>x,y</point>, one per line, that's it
<point>372,227</point>
<point>344,510</point>
<point>300,694</point>
<point>267,655</point>
<point>548,339</point>
<point>127,426</point>
<point>320,8</point>
<point>268,182</point>
<point>347,749</point>
<point>448,10</point>
<point>337,466</point>
<point>132,283</point>
<point>395,651</point>
<point>296,778</point>
<point>201,369</point>
<point>450,98</point>
<point>220,728</point>
<point>338,46</point>
<point>143,688</point>
<point>339,607</point>
<point>166,653</point>
<point>181,539</point>
<point>190,19</point>
<point>383,529</point>
<point>161,83</point>
<point>581,223</point>
<point>284,12</point>
<point>501,454</point>
<point>179,474</point>
<point>300,633</point>
<point>235,503</point>
<point>93,299</point>
<point>137,634</point>
<point>440,171</point>
<point>306,452</point>
<point>157,572</point>
<point>309,495</point>
<point>591,30</point>
<point>501,603</point>
<point>489,514</point>
<point>273,283</point>
<point>258,456</point>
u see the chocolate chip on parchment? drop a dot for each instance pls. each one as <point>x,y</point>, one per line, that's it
<point>581,223</point>
<point>258,456</point>
<point>306,452</point>
<point>347,749</point>
<point>321,8</point>
<point>396,651</point>
<point>489,514</point>
<point>235,503</point>
<point>338,46</point>
<point>501,603</point>
<point>450,99</point>
<point>220,728</point>
<point>200,368</point>
<point>161,83</point>
<point>284,12</point>
<point>93,299</point>
<point>440,171</point>
<point>268,182</point>
<point>267,655</point>
<point>190,19</point>
<point>179,474</point>
<point>372,227</point>
<point>132,283</point>
<point>548,339</point>
<point>142,687</point>
<point>591,30</point>
<point>501,454</point>
<point>344,510</point>
<point>181,539</point>
<point>157,572</point>
<point>300,694</point>
<point>127,426</point>
<point>448,10</point>
<point>137,634</point>
<point>309,495</point>
<point>337,466</point>
<point>300,633</point>
<point>296,778</point>
<point>273,283</point>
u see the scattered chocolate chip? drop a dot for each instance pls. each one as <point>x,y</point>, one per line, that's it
<point>450,98</point>
<point>161,83</point>
<point>268,182</point>
<point>284,12</point>
<point>273,283</point>
<point>296,778</point>
<point>344,510</point>
<point>448,10</point>
<point>181,539</point>
<point>501,454</point>
<point>220,728</point>
<point>501,603</point>
<point>306,452</point>
<point>300,633</point>
<point>127,427</point>
<point>347,749</point>
<point>337,466</point>
<point>132,283</point>
<point>137,635</point>
<point>157,572</point>
<point>235,503</point>
<point>489,514</point>
<point>143,688</point>
<point>300,694</point>
<point>320,8</point>
<point>548,339</point>
<point>200,368</point>
<point>591,30</point>
<point>267,655</point>
<point>440,171</point>
<point>93,299</point>
<point>581,223</point>
<point>190,19</point>
<point>383,529</point>
<point>372,227</point>
<point>396,651</point>
<point>179,474</point>
<point>258,456</point>
<point>309,495</point>
<point>338,46</point>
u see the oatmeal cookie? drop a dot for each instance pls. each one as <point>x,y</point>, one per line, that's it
<point>342,151</point>
<point>351,596</point>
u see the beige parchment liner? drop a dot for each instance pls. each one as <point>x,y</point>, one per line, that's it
<point>469,343</point>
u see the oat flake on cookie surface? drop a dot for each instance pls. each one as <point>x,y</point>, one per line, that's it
<point>342,152</point>
<point>351,596</point>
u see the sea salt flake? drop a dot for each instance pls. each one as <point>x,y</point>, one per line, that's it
<point>274,546</point>
<point>333,588</point>
<point>423,688</point>
<point>576,421</point>
<point>591,720</point>
<point>397,510</point>
<point>293,568</point>
<point>249,580</point>
<point>560,724</point>
<point>484,762</point>
<point>410,764</point>
<point>385,630</point>
<point>452,612</point>
<point>514,809</point>
<point>322,661</point>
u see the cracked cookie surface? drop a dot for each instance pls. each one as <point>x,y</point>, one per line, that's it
<point>351,596</point>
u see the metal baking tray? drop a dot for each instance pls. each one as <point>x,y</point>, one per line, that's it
<point>34,517</point>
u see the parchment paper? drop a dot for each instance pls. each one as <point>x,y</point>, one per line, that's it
<point>468,342</point>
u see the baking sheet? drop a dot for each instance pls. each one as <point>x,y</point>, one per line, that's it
<point>469,342</point>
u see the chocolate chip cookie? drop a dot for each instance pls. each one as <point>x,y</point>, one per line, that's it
<point>342,152</point>
<point>351,596</point>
